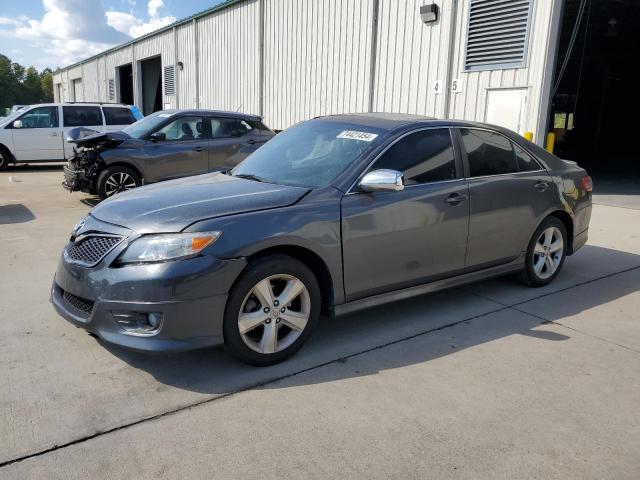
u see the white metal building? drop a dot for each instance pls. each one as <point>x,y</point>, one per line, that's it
<point>290,60</point>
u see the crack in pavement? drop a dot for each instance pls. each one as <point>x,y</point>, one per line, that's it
<point>324,364</point>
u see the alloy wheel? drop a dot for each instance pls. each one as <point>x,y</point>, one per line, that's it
<point>119,182</point>
<point>547,253</point>
<point>274,313</point>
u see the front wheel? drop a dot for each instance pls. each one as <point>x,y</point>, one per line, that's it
<point>116,179</point>
<point>272,310</point>
<point>546,253</point>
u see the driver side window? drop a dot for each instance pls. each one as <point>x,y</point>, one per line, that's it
<point>423,157</point>
<point>41,117</point>
<point>184,128</point>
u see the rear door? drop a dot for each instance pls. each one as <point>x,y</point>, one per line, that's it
<point>508,192</point>
<point>40,137</point>
<point>117,118</point>
<point>232,140</point>
<point>393,240</point>
<point>183,152</point>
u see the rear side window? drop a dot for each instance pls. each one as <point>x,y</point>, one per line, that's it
<point>118,116</point>
<point>526,163</point>
<point>81,116</point>
<point>41,117</point>
<point>229,127</point>
<point>425,156</point>
<point>488,153</point>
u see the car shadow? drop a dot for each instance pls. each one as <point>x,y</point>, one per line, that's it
<point>15,213</point>
<point>446,322</point>
<point>90,201</point>
<point>34,167</point>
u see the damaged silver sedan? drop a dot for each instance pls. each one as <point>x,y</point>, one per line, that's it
<point>163,146</point>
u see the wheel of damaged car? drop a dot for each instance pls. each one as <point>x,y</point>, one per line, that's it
<point>271,311</point>
<point>116,179</point>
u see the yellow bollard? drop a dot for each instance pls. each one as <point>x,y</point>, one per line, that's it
<point>528,136</point>
<point>551,140</point>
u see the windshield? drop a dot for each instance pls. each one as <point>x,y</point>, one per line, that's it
<point>310,154</point>
<point>147,125</point>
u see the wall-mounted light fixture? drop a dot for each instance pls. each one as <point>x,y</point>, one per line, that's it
<point>429,13</point>
<point>180,66</point>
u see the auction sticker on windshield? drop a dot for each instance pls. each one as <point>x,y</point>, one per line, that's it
<point>353,135</point>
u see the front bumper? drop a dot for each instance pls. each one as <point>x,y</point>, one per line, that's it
<point>190,294</point>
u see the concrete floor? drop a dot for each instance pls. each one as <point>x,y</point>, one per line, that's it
<point>493,380</point>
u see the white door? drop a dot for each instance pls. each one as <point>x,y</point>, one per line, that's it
<point>506,107</point>
<point>40,137</point>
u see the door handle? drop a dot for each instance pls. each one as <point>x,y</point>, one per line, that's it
<point>541,185</point>
<point>198,149</point>
<point>53,134</point>
<point>252,142</point>
<point>455,199</point>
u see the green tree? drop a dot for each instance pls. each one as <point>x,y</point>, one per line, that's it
<point>23,86</point>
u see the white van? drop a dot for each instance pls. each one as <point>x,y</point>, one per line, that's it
<point>37,133</point>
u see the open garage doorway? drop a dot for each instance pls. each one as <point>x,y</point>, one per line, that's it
<point>596,101</point>
<point>125,84</point>
<point>151,86</point>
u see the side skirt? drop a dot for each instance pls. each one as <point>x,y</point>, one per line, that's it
<point>376,300</point>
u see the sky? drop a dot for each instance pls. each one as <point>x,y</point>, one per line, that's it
<point>56,33</point>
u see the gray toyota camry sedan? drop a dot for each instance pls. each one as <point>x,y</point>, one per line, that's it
<point>333,215</point>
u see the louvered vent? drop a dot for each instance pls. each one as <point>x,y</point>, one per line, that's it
<point>112,89</point>
<point>497,34</point>
<point>169,80</point>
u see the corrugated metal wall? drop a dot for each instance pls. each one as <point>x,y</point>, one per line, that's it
<point>317,60</point>
<point>229,58</point>
<point>186,78</point>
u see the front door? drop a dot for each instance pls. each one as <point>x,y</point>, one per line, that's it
<point>182,150</point>
<point>393,240</point>
<point>509,191</point>
<point>40,137</point>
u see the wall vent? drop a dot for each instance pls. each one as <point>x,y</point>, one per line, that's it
<point>169,80</point>
<point>111,86</point>
<point>497,34</point>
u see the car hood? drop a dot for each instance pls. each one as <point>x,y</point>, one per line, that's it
<point>174,205</point>
<point>91,140</point>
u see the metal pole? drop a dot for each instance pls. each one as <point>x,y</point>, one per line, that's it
<point>374,52</point>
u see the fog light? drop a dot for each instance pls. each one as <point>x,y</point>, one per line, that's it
<point>154,320</point>
<point>138,323</point>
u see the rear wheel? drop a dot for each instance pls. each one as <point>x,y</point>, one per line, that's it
<point>116,179</point>
<point>272,310</point>
<point>546,253</point>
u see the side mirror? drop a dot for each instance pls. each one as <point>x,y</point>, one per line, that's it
<point>158,137</point>
<point>382,180</point>
<point>17,124</point>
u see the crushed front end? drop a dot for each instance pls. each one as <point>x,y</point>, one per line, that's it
<point>83,168</point>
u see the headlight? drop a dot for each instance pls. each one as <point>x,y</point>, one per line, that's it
<point>167,246</point>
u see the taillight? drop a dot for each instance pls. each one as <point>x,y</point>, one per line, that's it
<point>587,184</point>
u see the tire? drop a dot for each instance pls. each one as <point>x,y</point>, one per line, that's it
<point>4,158</point>
<point>268,337</point>
<point>116,179</point>
<point>546,253</point>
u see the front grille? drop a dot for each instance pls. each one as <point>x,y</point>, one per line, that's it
<point>92,248</point>
<point>81,304</point>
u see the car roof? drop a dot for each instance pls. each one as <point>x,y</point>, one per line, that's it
<point>77,104</point>
<point>394,121</point>
<point>218,113</point>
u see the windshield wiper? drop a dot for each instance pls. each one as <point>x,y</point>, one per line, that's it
<point>248,176</point>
